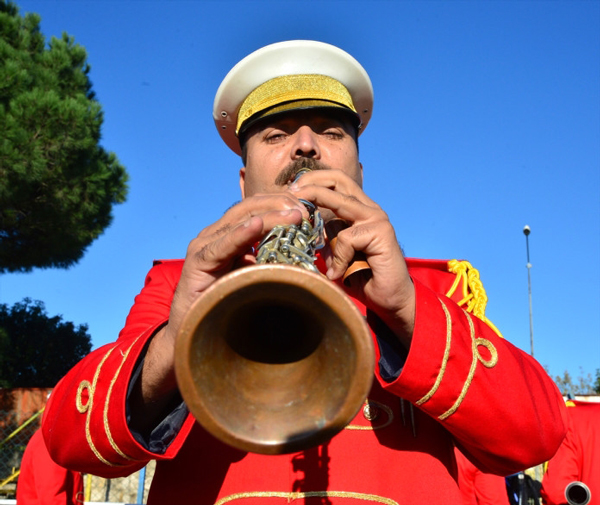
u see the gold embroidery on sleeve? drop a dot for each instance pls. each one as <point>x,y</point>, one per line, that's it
<point>87,408</point>
<point>107,402</point>
<point>476,357</point>
<point>475,343</point>
<point>291,496</point>
<point>85,385</point>
<point>438,380</point>
<point>493,352</point>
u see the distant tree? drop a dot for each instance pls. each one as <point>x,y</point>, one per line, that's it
<point>582,385</point>
<point>4,351</point>
<point>37,350</point>
<point>57,184</point>
<point>597,381</point>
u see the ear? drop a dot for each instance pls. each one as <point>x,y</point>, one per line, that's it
<point>243,181</point>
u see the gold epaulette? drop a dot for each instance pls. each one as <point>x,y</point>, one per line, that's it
<point>473,293</point>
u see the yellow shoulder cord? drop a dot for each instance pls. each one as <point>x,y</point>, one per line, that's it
<point>472,290</point>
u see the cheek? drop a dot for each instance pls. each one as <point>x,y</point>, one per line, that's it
<point>261,173</point>
<point>347,160</point>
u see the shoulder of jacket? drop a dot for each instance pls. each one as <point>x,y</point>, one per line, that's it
<point>169,269</point>
<point>174,265</point>
<point>172,262</point>
<point>431,264</point>
<point>455,279</point>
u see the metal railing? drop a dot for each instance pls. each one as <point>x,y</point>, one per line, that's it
<point>14,436</point>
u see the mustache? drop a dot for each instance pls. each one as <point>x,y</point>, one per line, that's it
<point>288,174</point>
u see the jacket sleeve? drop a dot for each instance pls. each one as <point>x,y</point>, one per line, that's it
<point>477,487</point>
<point>498,403</point>
<point>85,421</point>
<point>43,482</point>
<point>563,469</point>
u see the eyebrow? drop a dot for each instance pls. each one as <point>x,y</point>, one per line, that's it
<point>306,116</point>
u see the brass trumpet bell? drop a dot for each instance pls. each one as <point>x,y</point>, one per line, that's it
<point>274,359</point>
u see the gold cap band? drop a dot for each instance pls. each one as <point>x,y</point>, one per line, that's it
<point>294,91</point>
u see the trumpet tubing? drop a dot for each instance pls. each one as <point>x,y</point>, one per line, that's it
<point>577,493</point>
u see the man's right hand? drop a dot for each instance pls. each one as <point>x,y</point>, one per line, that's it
<point>214,252</point>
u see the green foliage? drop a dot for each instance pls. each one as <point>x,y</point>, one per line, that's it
<point>37,350</point>
<point>57,184</point>
<point>582,385</point>
<point>4,350</point>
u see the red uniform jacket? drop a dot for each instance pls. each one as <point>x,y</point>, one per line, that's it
<point>43,482</point>
<point>578,458</point>
<point>477,487</point>
<point>467,384</point>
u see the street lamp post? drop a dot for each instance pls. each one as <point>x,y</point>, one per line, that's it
<point>526,232</point>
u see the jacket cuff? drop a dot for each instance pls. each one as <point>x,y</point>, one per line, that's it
<point>436,364</point>
<point>92,411</point>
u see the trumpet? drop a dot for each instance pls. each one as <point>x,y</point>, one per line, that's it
<point>577,493</point>
<point>274,358</point>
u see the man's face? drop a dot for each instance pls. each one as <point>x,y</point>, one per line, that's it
<point>277,147</point>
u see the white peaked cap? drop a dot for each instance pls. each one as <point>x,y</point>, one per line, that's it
<point>290,75</point>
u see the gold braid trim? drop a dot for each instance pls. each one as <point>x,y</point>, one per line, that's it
<point>476,357</point>
<point>475,342</point>
<point>438,380</point>
<point>472,290</point>
<point>107,401</point>
<point>87,408</point>
<point>291,496</point>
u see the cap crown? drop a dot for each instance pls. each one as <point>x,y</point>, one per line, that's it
<point>290,58</point>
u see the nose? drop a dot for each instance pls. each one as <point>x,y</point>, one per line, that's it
<point>306,144</point>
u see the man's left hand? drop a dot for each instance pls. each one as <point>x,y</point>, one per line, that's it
<point>389,291</point>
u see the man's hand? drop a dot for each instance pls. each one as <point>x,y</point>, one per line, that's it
<point>212,254</point>
<point>389,292</point>
<point>218,247</point>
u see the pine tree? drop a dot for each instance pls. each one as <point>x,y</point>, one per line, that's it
<point>57,184</point>
<point>36,350</point>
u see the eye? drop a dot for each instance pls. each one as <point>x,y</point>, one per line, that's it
<point>275,136</point>
<point>333,133</point>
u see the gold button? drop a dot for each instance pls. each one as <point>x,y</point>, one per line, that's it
<point>370,412</point>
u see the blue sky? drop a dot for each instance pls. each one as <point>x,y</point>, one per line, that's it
<point>486,118</point>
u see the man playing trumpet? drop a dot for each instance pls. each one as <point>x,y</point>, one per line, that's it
<point>441,374</point>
